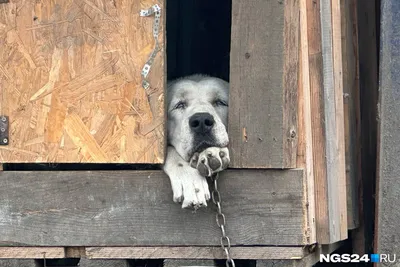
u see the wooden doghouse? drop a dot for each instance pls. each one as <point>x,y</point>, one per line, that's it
<point>71,92</point>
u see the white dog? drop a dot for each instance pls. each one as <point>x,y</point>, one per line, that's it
<point>197,136</point>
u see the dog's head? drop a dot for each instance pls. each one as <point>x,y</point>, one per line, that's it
<point>197,114</point>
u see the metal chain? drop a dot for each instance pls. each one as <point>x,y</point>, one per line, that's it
<point>156,10</point>
<point>221,222</point>
<point>44,259</point>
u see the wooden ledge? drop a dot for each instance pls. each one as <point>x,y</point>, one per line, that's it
<point>135,208</point>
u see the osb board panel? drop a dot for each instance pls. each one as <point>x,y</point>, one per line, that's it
<point>70,82</point>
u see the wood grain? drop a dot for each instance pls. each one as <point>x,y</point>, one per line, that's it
<point>193,252</point>
<point>338,182</point>
<point>31,252</point>
<point>17,263</point>
<point>324,41</point>
<point>102,263</point>
<point>125,208</point>
<point>263,84</point>
<point>304,147</point>
<point>71,83</point>
<point>351,102</point>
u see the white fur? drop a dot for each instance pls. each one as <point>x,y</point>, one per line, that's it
<point>199,93</point>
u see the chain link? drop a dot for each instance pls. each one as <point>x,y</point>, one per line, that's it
<point>221,222</point>
<point>156,10</point>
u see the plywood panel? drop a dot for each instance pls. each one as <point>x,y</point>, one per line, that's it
<point>125,208</point>
<point>70,80</point>
<point>263,83</point>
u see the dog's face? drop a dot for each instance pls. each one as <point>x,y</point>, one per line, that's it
<point>197,114</point>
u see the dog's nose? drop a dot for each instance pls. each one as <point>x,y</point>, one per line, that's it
<point>201,122</point>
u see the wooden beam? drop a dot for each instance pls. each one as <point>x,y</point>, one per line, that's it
<point>193,252</point>
<point>125,208</point>
<point>308,260</point>
<point>83,262</point>
<point>338,182</point>
<point>351,103</point>
<point>327,120</point>
<point>17,263</point>
<point>304,147</point>
<point>32,252</point>
<point>387,234</point>
<point>263,84</point>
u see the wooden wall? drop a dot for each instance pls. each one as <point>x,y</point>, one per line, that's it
<point>71,82</point>
<point>128,208</point>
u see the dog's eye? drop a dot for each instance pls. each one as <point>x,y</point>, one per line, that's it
<point>219,102</point>
<point>180,105</point>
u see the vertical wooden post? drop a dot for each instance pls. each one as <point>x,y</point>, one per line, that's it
<point>351,102</point>
<point>326,90</point>
<point>263,83</point>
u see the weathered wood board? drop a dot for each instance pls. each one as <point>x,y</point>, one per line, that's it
<point>125,208</point>
<point>251,252</point>
<point>70,81</point>
<point>387,234</point>
<point>327,119</point>
<point>351,102</point>
<point>263,83</point>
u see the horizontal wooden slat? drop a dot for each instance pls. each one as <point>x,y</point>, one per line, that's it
<point>120,208</point>
<point>189,252</point>
<point>32,252</point>
<point>194,252</point>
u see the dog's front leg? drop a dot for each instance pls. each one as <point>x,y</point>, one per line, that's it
<point>188,186</point>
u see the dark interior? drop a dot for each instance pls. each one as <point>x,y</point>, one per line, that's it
<point>198,37</point>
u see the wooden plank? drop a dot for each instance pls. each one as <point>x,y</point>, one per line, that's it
<point>102,263</point>
<point>351,104</point>
<point>387,234</point>
<point>263,84</point>
<point>71,82</point>
<point>31,252</point>
<point>304,147</point>
<point>327,128</point>
<point>338,182</point>
<point>124,208</point>
<point>187,263</point>
<point>193,252</point>
<point>18,263</point>
<point>308,260</point>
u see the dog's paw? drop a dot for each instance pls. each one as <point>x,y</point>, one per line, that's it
<point>189,188</point>
<point>211,160</point>
<point>195,192</point>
